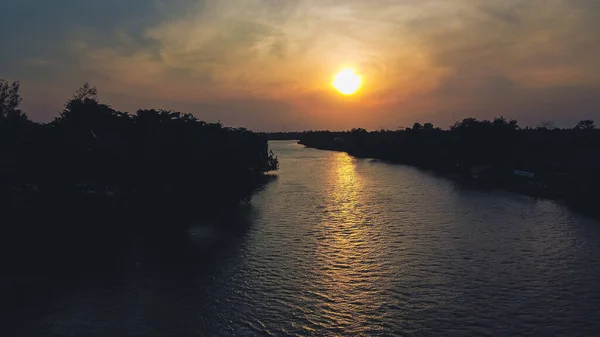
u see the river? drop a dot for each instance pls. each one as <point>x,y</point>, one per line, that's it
<point>338,246</point>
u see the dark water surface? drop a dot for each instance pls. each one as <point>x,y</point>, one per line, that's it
<point>338,246</point>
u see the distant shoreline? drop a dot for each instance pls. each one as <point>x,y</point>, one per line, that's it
<point>559,165</point>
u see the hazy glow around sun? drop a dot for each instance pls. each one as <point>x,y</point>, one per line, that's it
<point>347,82</point>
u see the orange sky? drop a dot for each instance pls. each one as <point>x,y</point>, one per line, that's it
<point>268,64</point>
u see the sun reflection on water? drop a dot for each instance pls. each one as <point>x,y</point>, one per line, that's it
<point>345,189</point>
<point>347,256</point>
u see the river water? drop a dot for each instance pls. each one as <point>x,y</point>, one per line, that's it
<point>338,246</point>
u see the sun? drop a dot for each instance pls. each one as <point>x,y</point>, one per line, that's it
<point>347,82</point>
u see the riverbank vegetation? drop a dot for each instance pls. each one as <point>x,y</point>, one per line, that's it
<point>284,135</point>
<point>544,161</point>
<point>95,177</point>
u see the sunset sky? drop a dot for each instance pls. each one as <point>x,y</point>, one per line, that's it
<point>268,64</point>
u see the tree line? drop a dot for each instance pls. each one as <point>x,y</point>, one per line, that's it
<point>95,173</point>
<point>564,163</point>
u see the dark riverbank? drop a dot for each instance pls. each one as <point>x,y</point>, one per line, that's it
<point>560,164</point>
<point>76,191</point>
<point>340,246</point>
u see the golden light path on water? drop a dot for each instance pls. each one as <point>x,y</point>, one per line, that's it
<point>348,260</point>
<point>339,246</point>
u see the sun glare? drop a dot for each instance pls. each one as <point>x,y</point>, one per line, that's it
<point>347,82</point>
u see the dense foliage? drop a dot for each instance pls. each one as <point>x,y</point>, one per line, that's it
<point>565,163</point>
<point>97,174</point>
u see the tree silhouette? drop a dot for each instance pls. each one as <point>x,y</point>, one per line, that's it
<point>565,161</point>
<point>585,125</point>
<point>96,176</point>
<point>547,125</point>
<point>10,99</point>
<point>85,92</point>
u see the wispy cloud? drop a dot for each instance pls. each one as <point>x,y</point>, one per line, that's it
<point>37,62</point>
<point>434,59</point>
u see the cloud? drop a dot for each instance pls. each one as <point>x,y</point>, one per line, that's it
<point>37,62</point>
<point>534,43</point>
<point>434,59</point>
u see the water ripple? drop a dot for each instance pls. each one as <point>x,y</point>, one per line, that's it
<point>346,247</point>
